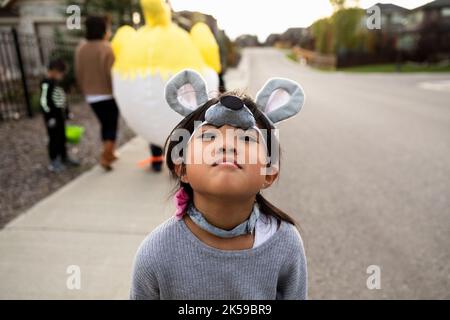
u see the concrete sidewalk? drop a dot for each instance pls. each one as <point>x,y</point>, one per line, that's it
<point>96,222</point>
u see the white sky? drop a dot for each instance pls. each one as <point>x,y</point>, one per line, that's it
<point>263,17</point>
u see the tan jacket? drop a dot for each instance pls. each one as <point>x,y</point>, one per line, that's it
<point>93,63</point>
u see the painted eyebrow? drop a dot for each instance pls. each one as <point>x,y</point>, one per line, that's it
<point>210,128</point>
<point>204,129</point>
<point>207,127</point>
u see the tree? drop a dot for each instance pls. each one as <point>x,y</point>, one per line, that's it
<point>341,4</point>
<point>322,31</point>
<point>337,4</point>
<point>342,32</point>
<point>348,33</point>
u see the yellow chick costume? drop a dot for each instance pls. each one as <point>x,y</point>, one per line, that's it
<point>145,60</point>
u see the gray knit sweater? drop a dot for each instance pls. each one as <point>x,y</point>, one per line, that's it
<point>172,263</point>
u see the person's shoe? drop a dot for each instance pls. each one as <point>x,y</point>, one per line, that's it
<point>71,162</point>
<point>56,166</point>
<point>106,165</point>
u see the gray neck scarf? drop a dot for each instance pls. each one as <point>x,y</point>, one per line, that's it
<point>244,228</point>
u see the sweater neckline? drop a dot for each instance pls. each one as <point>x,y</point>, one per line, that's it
<point>203,246</point>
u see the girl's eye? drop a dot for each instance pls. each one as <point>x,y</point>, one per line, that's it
<point>208,136</point>
<point>248,138</point>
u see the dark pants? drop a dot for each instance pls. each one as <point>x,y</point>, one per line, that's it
<point>57,139</point>
<point>108,114</point>
<point>156,150</point>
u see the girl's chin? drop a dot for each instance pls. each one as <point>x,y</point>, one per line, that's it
<point>228,189</point>
<point>228,197</point>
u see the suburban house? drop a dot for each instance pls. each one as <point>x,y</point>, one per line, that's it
<point>247,40</point>
<point>421,34</point>
<point>427,31</point>
<point>31,16</point>
<point>393,17</point>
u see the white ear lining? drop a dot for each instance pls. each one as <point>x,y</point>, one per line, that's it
<point>280,99</point>
<point>277,99</point>
<point>186,91</point>
<point>186,96</point>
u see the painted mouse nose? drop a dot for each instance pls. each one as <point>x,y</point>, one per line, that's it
<point>232,102</point>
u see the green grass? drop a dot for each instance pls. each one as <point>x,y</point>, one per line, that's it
<point>408,67</point>
<point>383,68</point>
<point>292,56</point>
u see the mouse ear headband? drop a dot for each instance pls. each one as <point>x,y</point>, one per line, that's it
<point>279,99</point>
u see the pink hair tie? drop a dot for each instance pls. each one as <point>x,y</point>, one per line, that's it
<point>181,200</point>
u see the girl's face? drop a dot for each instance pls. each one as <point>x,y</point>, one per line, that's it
<point>226,161</point>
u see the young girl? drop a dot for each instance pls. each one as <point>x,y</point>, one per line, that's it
<point>226,241</point>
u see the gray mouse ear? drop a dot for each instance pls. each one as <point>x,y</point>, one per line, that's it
<point>280,99</point>
<point>186,91</point>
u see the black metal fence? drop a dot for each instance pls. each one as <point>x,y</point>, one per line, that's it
<point>23,61</point>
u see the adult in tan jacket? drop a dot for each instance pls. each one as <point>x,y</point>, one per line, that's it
<point>93,62</point>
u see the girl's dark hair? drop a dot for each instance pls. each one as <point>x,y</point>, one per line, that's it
<point>96,27</point>
<point>188,123</point>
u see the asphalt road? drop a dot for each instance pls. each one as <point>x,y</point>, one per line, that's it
<point>366,171</point>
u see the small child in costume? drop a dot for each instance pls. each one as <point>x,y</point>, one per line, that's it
<point>53,103</point>
<point>226,241</point>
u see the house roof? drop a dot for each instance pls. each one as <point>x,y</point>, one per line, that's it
<point>389,8</point>
<point>434,5</point>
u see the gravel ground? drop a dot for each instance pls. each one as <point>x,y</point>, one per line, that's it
<point>24,178</point>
